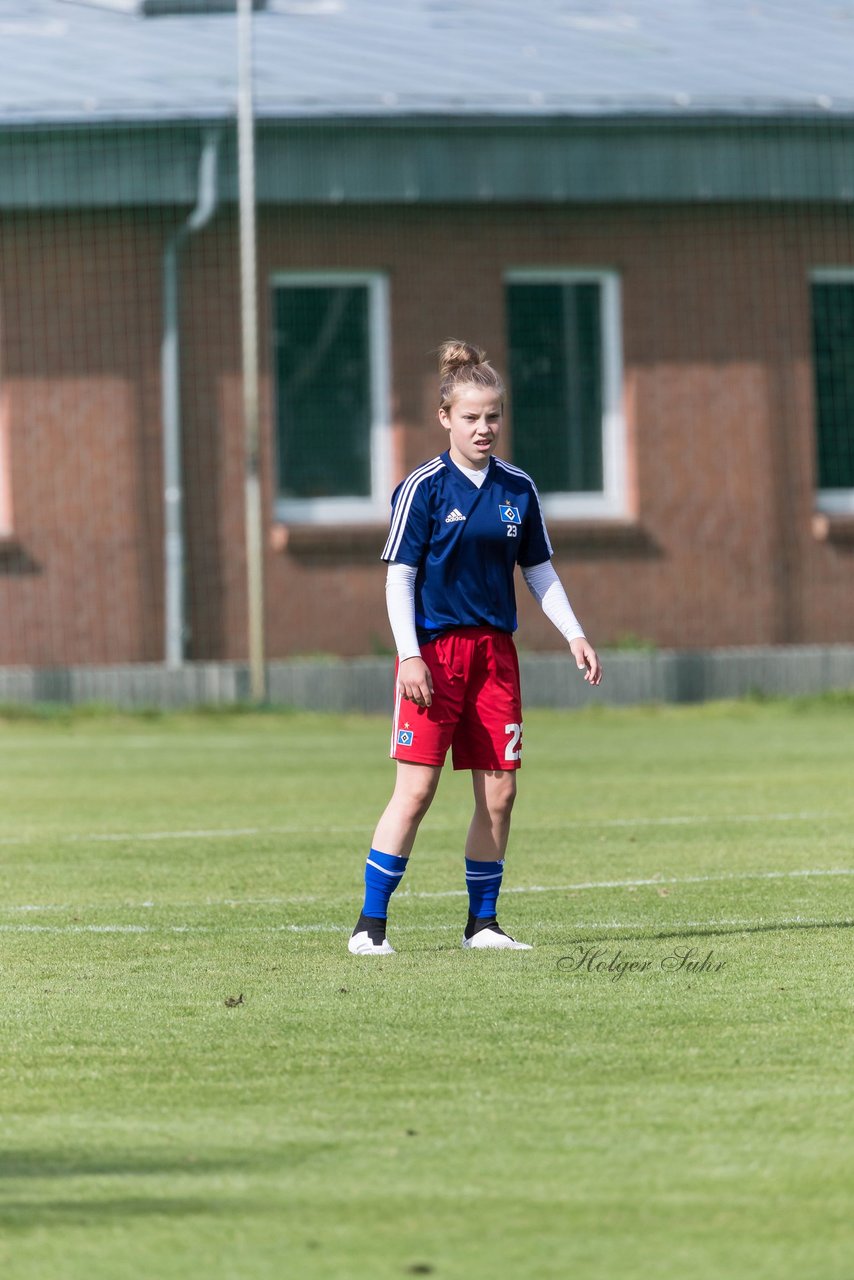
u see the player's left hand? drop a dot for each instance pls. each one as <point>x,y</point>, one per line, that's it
<point>587,659</point>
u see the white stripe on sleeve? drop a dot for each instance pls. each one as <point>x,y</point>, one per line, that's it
<point>517,471</point>
<point>403,505</point>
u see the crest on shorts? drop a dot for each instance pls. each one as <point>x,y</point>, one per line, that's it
<point>404,737</point>
<point>509,515</point>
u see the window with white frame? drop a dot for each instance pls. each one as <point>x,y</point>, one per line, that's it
<point>330,343</point>
<point>833,370</point>
<point>564,338</point>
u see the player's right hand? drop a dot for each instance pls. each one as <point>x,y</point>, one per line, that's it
<point>415,682</point>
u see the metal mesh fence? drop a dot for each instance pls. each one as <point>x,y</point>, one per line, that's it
<point>648,227</point>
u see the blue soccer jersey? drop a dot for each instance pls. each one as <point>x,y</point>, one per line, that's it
<point>465,543</point>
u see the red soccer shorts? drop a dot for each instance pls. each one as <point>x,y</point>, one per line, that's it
<point>476,708</point>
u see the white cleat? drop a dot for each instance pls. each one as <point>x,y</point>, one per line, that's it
<point>493,938</point>
<point>360,944</point>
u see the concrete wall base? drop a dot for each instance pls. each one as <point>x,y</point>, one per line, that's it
<point>365,684</point>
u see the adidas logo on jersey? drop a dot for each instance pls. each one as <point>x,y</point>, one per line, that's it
<point>454,516</point>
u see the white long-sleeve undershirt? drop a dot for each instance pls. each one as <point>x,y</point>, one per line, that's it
<point>541,579</point>
<point>400,602</point>
<point>547,589</point>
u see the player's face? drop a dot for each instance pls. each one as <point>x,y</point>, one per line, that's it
<point>473,424</point>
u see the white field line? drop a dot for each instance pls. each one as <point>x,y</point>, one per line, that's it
<point>653,880</point>
<point>214,833</point>
<point>577,926</point>
<point>236,833</point>
<point>733,877</point>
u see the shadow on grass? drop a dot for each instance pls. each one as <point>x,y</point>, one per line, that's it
<point>663,935</point>
<point>732,931</point>
<point>57,1202</point>
<point>23,1215</point>
<point>43,1164</point>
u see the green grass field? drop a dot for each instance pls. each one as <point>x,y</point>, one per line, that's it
<point>467,1115</point>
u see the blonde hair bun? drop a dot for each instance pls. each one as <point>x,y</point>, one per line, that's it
<point>455,355</point>
<point>461,364</point>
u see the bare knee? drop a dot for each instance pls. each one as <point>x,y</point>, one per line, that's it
<point>416,803</point>
<point>499,794</point>
<point>414,792</point>
<point>506,793</point>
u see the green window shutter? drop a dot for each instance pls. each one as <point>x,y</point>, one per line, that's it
<point>556,382</point>
<point>323,390</point>
<point>833,362</point>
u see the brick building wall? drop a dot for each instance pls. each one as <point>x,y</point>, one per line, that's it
<point>718,397</point>
<point>80,380</point>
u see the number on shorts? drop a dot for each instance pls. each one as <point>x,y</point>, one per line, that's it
<point>513,750</point>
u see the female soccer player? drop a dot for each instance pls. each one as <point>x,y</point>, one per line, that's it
<point>460,524</point>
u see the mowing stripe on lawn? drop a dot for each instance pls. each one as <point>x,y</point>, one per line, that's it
<point>234,833</point>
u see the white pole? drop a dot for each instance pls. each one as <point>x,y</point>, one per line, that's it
<point>173,516</point>
<point>249,329</point>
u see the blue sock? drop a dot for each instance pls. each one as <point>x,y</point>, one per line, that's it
<point>483,881</point>
<point>383,873</point>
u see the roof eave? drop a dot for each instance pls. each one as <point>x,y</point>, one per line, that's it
<point>410,157</point>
